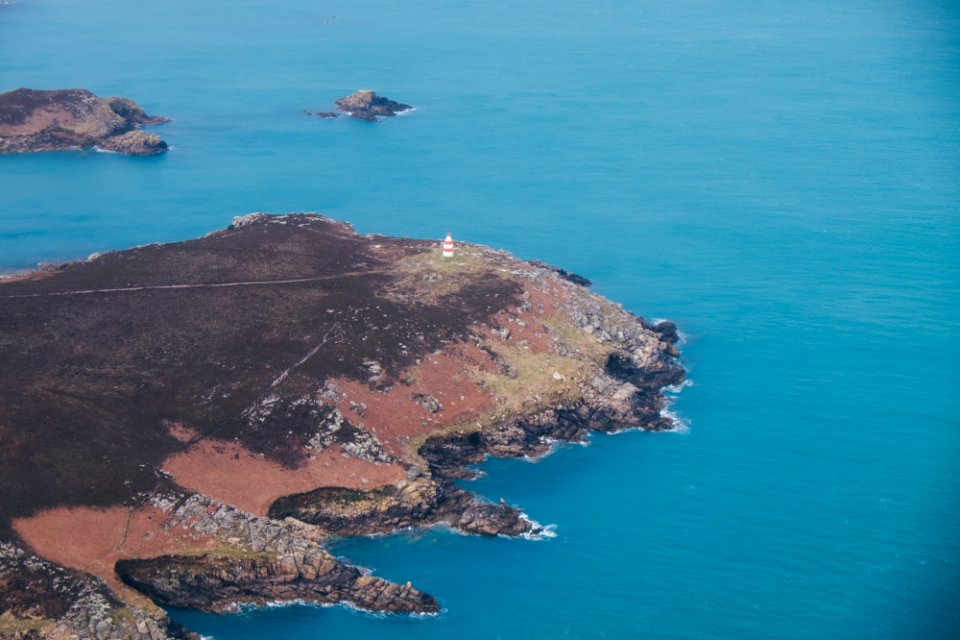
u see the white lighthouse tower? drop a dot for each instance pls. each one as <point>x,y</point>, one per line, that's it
<point>448,247</point>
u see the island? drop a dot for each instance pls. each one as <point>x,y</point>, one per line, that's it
<point>364,105</point>
<point>185,424</point>
<point>367,105</point>
<point>32,120</point>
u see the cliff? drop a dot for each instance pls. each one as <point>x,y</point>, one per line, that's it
<point>32,120</point>
<point>184,424</point>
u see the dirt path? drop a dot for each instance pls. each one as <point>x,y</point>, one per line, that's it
<point>200,285</point>
<point>286,372</point>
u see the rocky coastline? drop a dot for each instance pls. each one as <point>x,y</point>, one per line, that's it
<point>33,120</point>
<point>347,432</point>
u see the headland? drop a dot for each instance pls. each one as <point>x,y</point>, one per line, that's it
<point>185,424</point>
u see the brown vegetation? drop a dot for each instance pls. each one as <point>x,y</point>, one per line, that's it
<point>232,474</point>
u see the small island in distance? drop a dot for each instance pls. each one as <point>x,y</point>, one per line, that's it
<point>32,120</point>
<point>365,105</point>
<point>185,424</point>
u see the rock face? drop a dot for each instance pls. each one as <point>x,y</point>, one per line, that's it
<point>257,561</point>
<point>40,600</point>
<point>32,120</point>
<point>367,105</point>
<point>350,381</point>
<point>422,501</point>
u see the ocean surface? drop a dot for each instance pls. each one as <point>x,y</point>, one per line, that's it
<point>780,178</point>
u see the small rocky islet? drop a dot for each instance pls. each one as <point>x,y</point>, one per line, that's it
<point>183,428</point>
<point>33,120</point>
<point>364,105</point>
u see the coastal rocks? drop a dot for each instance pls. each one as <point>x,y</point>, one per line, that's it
<point>422,501</point>
<point>33,120</point>
<point>221,583</point>
<point>356,512</point>
<point>494,519</point>
<point>257,561</point>
<point>606,404</point>
<point>311,424</point>
<point>134,143</point>
<point>367,105</point>
<point>39,599</point>
<point>569,276</point>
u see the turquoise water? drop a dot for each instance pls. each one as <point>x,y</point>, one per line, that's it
<point>780,178</point>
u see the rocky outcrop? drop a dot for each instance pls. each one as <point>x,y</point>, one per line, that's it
<point>134,143</point>
<point>321,425</point>
<point>222,583</point>
<point>257,560</point>
<point>245,559</point>
<point>39,599</point>
<point>420,502</point>
<point>33,120</point>
<point>367,105</point>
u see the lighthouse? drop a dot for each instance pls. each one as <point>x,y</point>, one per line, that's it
<point>448,247</point>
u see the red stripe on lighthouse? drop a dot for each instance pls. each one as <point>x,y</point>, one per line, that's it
<point>448,246</point>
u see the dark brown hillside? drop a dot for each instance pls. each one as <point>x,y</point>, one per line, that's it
<point>89,380</point>
<point>187,423</point>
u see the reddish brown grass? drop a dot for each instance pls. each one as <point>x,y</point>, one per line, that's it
<point>230,473</point>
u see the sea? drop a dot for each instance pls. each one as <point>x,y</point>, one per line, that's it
<point>780,178</point>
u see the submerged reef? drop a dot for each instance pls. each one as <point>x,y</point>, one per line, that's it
<point>185,424</point>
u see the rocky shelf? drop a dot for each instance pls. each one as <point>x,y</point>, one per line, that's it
<point>185,424</point>
<point>33,120</point>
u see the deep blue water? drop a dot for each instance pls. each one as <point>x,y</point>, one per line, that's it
<point>780,178</point>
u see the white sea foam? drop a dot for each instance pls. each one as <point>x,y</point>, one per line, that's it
<point>297,602</point>
<point>243,607</point>
<point>625,429</point>
<point>555,444</point>
<point>679,424</point>
<point>677,388</point>
<point>540,532</point>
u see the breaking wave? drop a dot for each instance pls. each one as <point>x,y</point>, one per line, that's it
<point>297,602</point>
<point>678,423</point>
<point>538,531</point>
<point>677,388</point>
